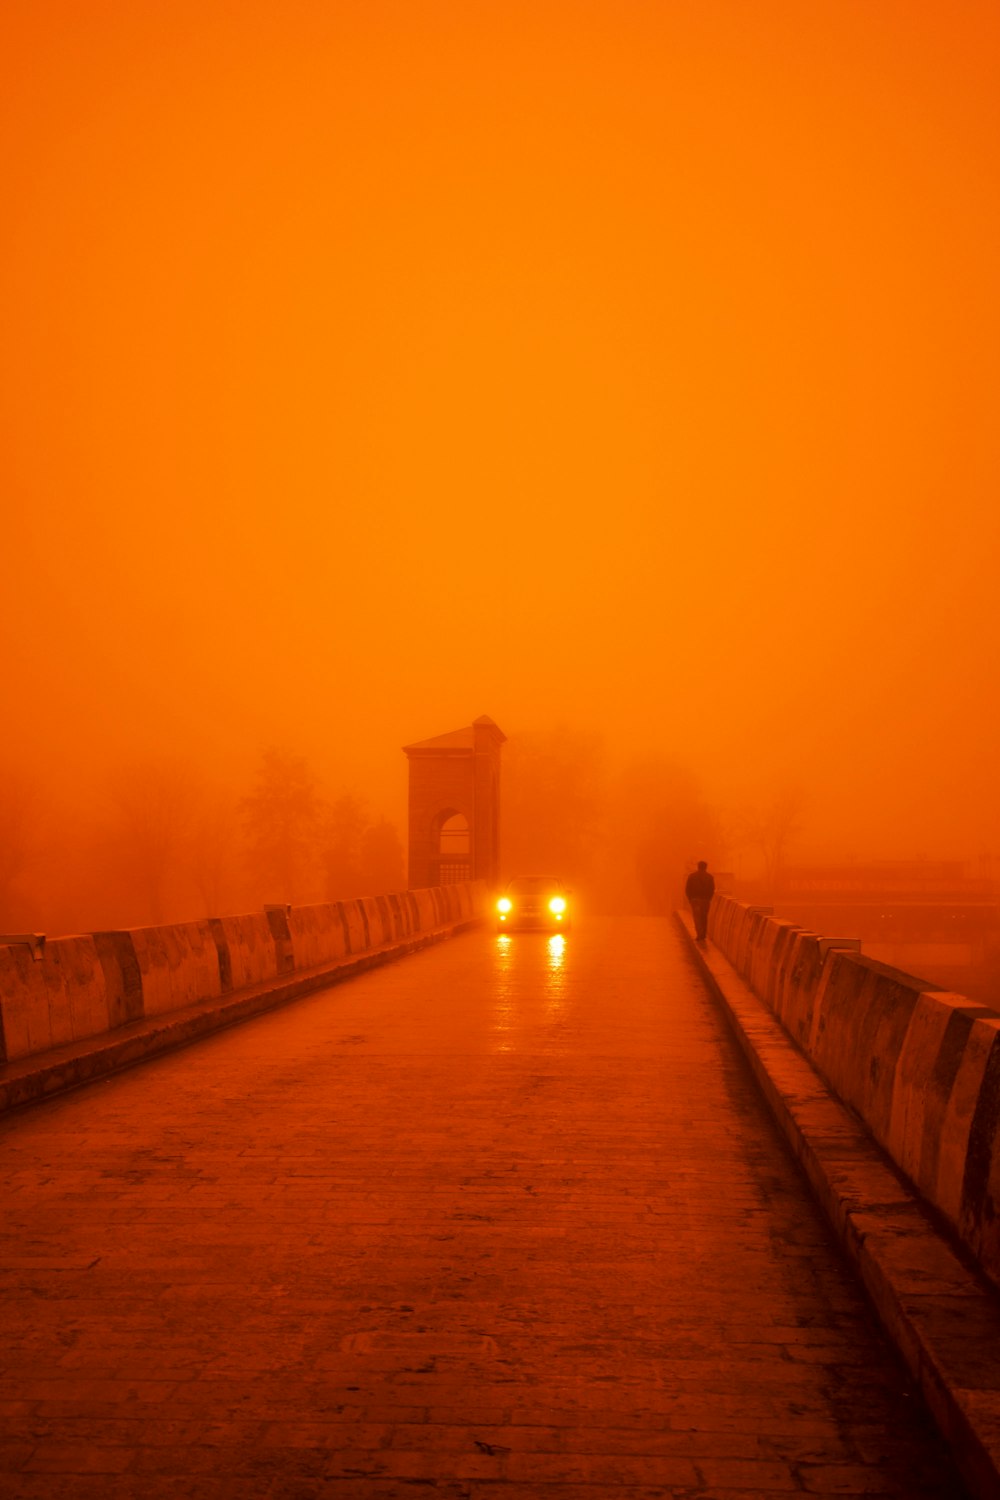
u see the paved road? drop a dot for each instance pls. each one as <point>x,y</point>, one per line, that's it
<point>505,1218</point>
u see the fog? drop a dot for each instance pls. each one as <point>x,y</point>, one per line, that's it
<point>627,373</point>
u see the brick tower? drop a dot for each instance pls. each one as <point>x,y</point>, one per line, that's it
<point>454,803</point>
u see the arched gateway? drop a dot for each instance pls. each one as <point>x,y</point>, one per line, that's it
<point>454,802</point>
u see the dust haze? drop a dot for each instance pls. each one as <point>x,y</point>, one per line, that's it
<point>625,373</point>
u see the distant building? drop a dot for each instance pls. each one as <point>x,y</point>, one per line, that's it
<point>922,915</point>
<point>903,879</point>
<point>454,806</point>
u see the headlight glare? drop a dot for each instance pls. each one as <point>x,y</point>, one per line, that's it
<point>557,904</point>
<point>504,904</point>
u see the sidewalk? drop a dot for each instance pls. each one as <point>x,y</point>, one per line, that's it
<point>940,1312</point>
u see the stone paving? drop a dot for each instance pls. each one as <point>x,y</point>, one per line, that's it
<point>505,1218</point>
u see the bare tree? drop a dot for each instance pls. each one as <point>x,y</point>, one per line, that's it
<point>283,817</point>
<point>553,802</point>
<point>343,834</point>
<point>381,859</point>
<point>663,823</point>
<point>215,836</point>
<point>155,802</point>
<point>360,856</point>
<point>771,830</point>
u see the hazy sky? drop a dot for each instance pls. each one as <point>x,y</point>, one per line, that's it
<point>369,366</point>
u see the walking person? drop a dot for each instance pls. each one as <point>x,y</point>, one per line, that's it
<point>699,890</point>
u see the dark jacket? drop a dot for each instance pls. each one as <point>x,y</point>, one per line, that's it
<point>700,886</point>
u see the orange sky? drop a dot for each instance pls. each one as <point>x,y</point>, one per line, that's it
<point>368,366</point>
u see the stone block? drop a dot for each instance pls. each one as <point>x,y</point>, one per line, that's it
<point>251,947</point>
<point>318,935</point>
<point>179,965</point>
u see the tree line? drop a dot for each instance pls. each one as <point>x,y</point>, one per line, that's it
<point>169,844</point>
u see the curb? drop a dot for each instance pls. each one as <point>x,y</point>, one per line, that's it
<point>936,1307</point>
<point>50,1073</point>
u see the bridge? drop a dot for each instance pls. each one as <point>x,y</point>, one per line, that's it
<point>469,1215</point>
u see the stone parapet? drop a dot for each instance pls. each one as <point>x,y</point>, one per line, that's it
<point>68,990</point>
<point>921,1067</point>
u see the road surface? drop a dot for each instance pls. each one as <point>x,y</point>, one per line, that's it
<point>504,1219</point>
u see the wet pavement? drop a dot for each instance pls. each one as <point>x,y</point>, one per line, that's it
<point>504,1218</point>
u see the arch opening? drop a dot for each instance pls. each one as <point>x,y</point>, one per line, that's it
<point>453,836</point>
<point>454,847</point>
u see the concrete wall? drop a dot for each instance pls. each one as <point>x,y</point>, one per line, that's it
<point>920,1066</point>
<point>87,986</point>
<point>63,998</point>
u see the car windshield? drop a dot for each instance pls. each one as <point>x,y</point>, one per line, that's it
<point>529,884</point>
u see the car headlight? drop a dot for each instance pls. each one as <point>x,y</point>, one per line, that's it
<point>504,904</point>
<point>557,904</point>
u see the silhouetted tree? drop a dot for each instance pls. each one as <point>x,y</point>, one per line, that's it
<point>772,829</point>
<point>214,843</point>
<point>660,813</point>
<point>768,830</point>
<point>554,791</point>
<point>381,859</point>
<point>343,832</point>
<point>155,802</point>
<point>283,818</point>
<point>360,857</point>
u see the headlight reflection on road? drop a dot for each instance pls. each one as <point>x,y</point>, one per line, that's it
<point>529,990</point>
<point>503,1007</point>
<point>555,978</point>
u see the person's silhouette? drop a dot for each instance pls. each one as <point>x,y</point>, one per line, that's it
<point>699,890</point>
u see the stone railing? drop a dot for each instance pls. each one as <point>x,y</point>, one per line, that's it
<point>920,1066</point>
<point>66,990</point>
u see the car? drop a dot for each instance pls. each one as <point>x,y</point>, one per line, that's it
<point>536,901</point>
